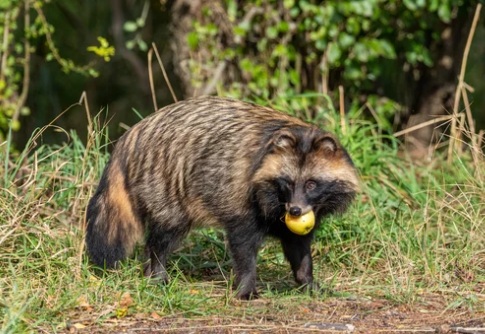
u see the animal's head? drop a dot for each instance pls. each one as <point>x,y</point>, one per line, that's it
<point>304,169</point>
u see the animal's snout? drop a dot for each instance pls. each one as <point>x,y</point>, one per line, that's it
<point>298,209</point>
<point>295,211</point>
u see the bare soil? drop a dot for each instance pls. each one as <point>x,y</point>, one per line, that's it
<point>334,315</point>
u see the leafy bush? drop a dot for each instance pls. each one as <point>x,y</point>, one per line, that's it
<point>290,47</point>
<point>23,26</point>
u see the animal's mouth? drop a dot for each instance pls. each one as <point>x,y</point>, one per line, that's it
<point>296,209</point>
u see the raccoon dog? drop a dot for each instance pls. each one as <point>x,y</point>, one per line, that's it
<point>215,161</point>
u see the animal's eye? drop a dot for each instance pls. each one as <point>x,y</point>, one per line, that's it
<point>310,185</point>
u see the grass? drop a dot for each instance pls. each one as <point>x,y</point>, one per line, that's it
<point>414,232</point>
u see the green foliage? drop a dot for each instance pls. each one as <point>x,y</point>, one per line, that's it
<point>292,46</point>
<point>135,29</point>
<point>105,51</point>
<point>10,80</point>
<point>23,27</point>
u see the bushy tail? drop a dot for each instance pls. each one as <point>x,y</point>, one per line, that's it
<point>113,226</point>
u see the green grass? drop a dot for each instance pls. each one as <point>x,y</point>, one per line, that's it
<point>413,231</point>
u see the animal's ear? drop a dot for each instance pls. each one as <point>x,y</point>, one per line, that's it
<point>283,140</point>
<point>326,144</point>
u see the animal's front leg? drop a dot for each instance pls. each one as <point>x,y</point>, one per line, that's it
<point>244,242</point>
<point>297,250</point>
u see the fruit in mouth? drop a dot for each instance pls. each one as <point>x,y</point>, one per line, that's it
<point>300,225</point>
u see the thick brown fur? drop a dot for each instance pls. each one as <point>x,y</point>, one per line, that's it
<point>219,161</point>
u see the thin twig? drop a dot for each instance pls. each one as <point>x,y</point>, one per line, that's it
<point>150,78</point>
<point>480,157</point>
<point>342,109</point>
<point>461,131</point>
<point>83,101</point>
<point>481,135</point>
<point>164,73</point>
<point>50,42</point>
<point>471,122</point>
<point>324,66</point>
<point>422,125</point>
<point>461,79</point>
<point>372,111</point>
<point>469,88</point>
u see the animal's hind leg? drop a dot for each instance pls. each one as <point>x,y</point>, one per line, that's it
<point>160,243</point>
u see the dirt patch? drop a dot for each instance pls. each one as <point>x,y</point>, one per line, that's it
<point>332,315</point>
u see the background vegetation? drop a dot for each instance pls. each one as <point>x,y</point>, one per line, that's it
<point>398,59</point>
<point>413,240</point>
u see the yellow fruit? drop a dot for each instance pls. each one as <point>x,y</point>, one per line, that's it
<point>300,224</point>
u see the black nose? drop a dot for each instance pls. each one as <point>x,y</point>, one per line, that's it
<point>295,211</point>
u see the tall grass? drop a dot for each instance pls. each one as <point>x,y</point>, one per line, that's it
<point>413,231</point>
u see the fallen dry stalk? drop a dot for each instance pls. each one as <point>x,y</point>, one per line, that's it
<point>424,124</point>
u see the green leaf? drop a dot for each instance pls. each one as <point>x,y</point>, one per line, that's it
<point>288,3</point>
<point>142,45</point>
<point>130,26</point>
<point>262,44</point>
<point>353,72</point>
<point>321,44</point>
<point>294,77</point>
<point>272,32</point>
<point>25,111</point>
<point>231,10</point>
<point>238,31</point>
<point>244,25</point>
<point>444,12</point>
<point>333,53</point>
<point>345,40</point>
<point>352,26</point>
<point>294,12</point>
<point>279,51</point>
<point>421,3</point>
<point>15,125</point>
<point>140,22</point>
<point>361,52</point>
<point>363,8</point>
<point>245,64</point>
<point>333,31</point>
<point>193,40</point>
<point>283,26</point>
<point>387,48</point>
<point>433,6</point>
<point>130,44</point>
<point>410,4</point>
<point>5,4</point>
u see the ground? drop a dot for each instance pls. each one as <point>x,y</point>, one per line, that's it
<point>356,315</point>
